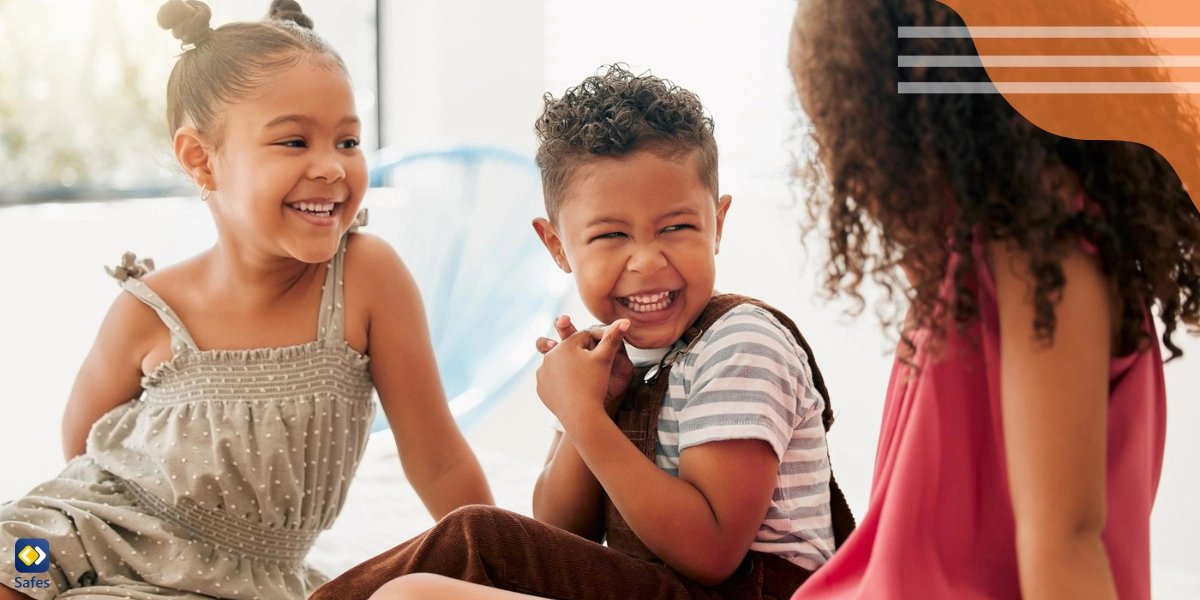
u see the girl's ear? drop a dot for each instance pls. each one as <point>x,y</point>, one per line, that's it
<point>192,152</point>
<point>545,231</point>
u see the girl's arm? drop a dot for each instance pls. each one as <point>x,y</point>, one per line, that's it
<point>436,458</point>
<point>701,523</point>
<point>112,372</point>
<point>1055,416</point>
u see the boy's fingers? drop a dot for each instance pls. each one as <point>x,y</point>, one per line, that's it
<point>581,339</point>
<point>544,345</point>
<point>564,327</point>
<point>612,342</point>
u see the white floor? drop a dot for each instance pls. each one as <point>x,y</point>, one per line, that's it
<point>53,294</point>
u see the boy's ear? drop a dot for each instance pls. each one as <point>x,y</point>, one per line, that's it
<point>723,204</point>
<point>545,231</point>
<point>192,152</point>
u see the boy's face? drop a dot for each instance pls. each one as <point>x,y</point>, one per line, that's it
<point>640,234</point>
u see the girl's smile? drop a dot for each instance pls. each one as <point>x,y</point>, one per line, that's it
<point>317,211</point>
<point>289,176</point>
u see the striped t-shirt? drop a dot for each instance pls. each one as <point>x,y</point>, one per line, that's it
<point>747,378</point>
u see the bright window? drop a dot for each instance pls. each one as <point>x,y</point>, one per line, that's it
<point>82,108</point>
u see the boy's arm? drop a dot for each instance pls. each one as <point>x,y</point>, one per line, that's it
<point>1055,416</point>
<point>436,458</point>
<point>701,523</point>
<point>567,494</point>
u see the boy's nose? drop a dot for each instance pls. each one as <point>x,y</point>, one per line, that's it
<point>646,260</point>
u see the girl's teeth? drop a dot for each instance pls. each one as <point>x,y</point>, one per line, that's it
<point>312,207</point>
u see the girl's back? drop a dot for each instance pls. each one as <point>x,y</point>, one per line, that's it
<point>1023,434</point>
<point>940,522</point>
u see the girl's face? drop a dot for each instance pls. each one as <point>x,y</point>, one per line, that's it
<point>289,175</point>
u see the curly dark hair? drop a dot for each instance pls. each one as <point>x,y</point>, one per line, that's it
<point>912,179</point>
<point>615,113</point>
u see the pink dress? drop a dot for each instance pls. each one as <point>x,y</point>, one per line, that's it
<point>940,522</point>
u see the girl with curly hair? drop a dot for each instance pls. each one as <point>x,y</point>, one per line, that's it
<point>1023,433</point>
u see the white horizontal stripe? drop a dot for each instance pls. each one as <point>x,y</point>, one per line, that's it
<point>1038,61</point>
<point>1050,87</point>
<point>1049,32</point>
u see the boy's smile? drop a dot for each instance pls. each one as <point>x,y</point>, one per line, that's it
<point>640,234</point>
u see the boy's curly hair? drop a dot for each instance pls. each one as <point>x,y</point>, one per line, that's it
<point>912,179</point>
<point>616,113</point>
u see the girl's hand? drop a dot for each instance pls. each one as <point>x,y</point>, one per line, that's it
<point>573,381</point>
<point>622,369</point>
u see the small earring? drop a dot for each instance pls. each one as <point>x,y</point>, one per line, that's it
<point>205,193</point>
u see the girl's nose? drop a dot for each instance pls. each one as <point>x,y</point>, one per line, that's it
<point>327,166</point>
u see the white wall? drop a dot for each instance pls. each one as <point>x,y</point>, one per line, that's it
<point>461,71</point>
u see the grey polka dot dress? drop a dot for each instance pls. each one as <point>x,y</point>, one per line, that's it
<point>216,482</point>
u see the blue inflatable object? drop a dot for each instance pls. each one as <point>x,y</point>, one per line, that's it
<point>460,220</point>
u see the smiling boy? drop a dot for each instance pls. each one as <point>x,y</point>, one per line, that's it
<point>692,437</point>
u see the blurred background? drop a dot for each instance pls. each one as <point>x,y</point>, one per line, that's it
<point>86,174</point>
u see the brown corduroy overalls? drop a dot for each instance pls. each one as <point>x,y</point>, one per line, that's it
<point>498,548</point>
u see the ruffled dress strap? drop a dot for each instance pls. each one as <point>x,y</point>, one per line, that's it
<point>331,329</point>
<point>128,274</point>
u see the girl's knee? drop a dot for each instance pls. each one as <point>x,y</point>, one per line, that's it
<point>7,593</point>
<point>414,586</point>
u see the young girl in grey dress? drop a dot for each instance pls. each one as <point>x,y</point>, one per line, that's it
<point>214,428</point>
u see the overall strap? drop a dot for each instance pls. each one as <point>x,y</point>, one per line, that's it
<point>638,416</point>
<point>840,514</point>
<point>331,327</point>
<point>638,420</point>
<point>128,274</point>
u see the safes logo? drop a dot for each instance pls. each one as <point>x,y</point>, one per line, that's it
<point>33,555</point>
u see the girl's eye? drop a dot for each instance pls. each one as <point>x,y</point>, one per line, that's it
<point>348,144</point>
<point>609,236</point>
<point>294,144</point>
<point>678,228</point>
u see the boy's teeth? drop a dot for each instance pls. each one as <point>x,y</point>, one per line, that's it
<point>650,298</point>
<point>649,302</point>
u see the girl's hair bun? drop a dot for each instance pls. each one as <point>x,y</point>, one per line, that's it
<point>188,20</point>
<point>289,10</point>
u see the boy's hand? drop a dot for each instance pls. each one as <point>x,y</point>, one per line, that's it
<point>575,375</point>
<point>622,368</point>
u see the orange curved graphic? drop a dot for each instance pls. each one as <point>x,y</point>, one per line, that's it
<point>1125,70</point>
